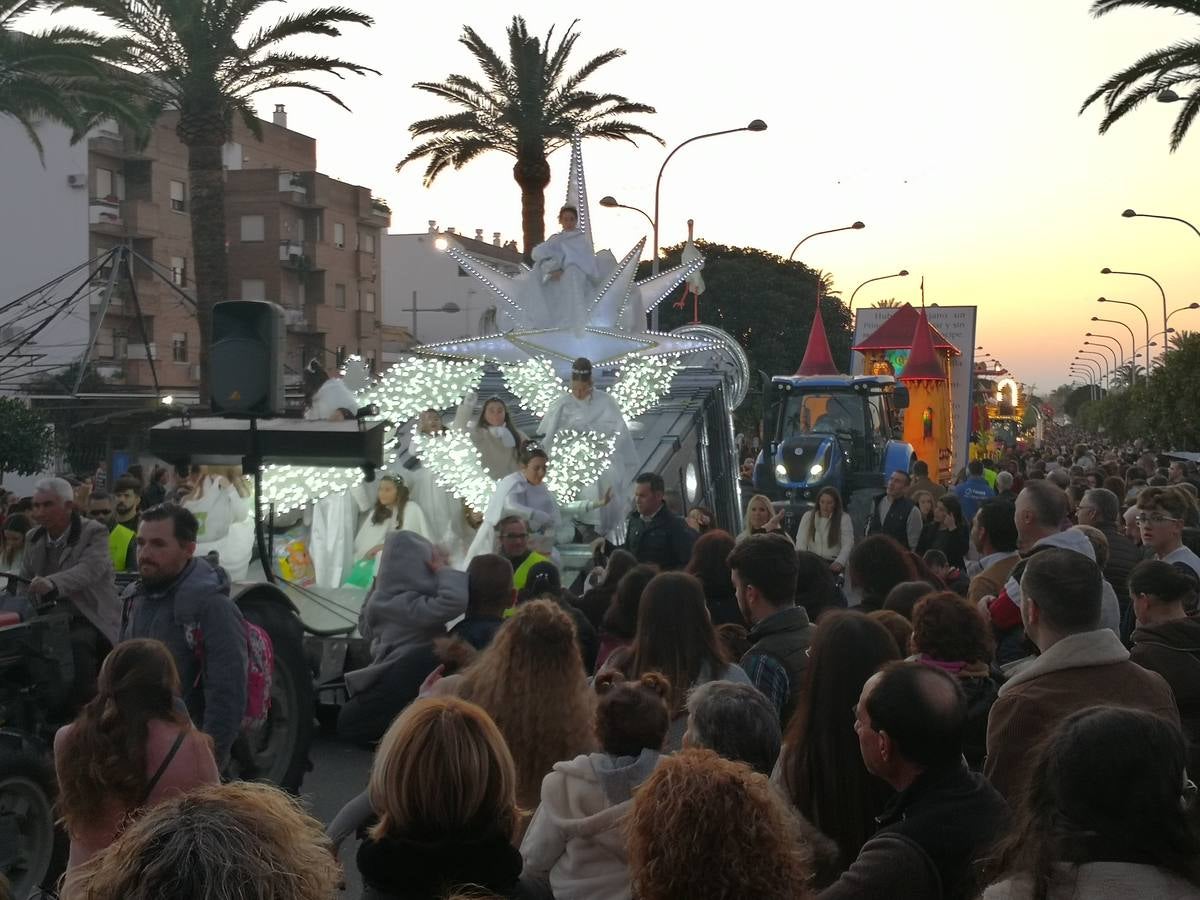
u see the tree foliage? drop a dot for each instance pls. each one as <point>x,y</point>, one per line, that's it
<point>766,303</point>
<point>26,438</point>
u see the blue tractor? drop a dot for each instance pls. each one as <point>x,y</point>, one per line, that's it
<point>830,430</point>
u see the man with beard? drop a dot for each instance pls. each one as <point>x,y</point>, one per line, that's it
<point>184,602</point>
<point>122,534</point>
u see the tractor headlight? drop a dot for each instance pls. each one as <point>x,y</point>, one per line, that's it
<point>781,471</point>
<point>816,470</point>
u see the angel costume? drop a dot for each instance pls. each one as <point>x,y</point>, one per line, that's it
<point>330,398</point>
<point>495,443</point>
<point>515,496</point>
<point>371,533</point>
<point>566,275</point>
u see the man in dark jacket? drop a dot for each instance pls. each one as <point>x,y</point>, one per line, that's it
<point>910,721</point>
<point>184,602</point>
<point>1101,509</point>
<point>895,515</point>
<point>763,567</point>
<point>652,532</point>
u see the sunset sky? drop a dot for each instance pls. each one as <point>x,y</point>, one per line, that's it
<point>949,127</point>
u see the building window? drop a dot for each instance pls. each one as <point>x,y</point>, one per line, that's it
<point>120,344</point>
<point>178,203</point>
<point>254,228</point>
<point>339,296</point>
<point>254,289</point>
<point>179,270</point>
<point>104,343</point>
<point>340,355</point>
<point>368,301</point>
<point>104,184</point>
<point>339,235</point>
<point>179,347</point>
<point>366,242</point>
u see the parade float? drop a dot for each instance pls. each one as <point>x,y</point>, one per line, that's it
<point>999,413</point>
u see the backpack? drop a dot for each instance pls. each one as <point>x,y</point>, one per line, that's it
<point>260,664</point>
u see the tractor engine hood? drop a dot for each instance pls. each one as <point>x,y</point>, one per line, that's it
<point>806,460</point>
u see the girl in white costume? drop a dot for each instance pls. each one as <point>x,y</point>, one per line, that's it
<point>391,510</point>
<point>564,278</point>
<point>220,501</point>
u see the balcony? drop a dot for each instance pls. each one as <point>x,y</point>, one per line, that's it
<point>295,319</point>
<point>294,186</point>
<point>376,212</point>
<point>104,216</point>
<point>365,264</point>
<point>141,217</point>
<point>291,252</point>
<point>108,140</point>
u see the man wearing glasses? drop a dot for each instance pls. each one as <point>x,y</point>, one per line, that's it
<point>1163,513</point>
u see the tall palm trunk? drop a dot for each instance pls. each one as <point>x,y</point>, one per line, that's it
<point>532,173</point>
<point>206,175</point>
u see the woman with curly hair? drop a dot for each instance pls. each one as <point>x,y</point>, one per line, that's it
<point>709,563</point>
<point>950,633</point>
<point>821,768</point>
<point>877,564</point>
<point>1107,814</point>
<point>703,826</point>
<point>531,681</point>
<point>576,841</point>
<point>444,786</point>
<point>129,749</point>
<point>676,638</point>
<point>239,841</point>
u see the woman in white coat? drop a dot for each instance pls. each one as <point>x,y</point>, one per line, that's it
<point>391,510</point>
<point>827,530</point>
<point>525,494</point>
<point>221,501</point>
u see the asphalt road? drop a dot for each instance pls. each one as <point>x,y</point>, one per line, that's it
<point>340,772</point>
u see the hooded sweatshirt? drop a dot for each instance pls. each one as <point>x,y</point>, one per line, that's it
<point>408,606</point>
<point>1172,649</point>
<point>576,836</point>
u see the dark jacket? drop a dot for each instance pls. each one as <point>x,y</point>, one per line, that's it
<point>929,837</point>
<point>1123,555</point>
<point>785,637</point>
<point>666,541</point>
<point>477,631</point>
<point>954,544</point>
<point>1172,649</point>
<point>982,687</point>
<point>723,608</point>
<point>895,523</point>
<point>401,869</point>
<point>197,605</point>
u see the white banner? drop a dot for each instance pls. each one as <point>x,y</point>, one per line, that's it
<point>957,325</point>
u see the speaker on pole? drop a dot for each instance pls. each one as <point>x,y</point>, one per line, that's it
<point>249,341</point>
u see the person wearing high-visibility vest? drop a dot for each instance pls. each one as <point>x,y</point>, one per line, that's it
<point>122,543</point>
<point>514,546</point>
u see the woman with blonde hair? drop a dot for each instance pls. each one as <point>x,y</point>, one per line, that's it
<point>129,749</point>
<point>761,517</point>
<point>239,841</point>
<point>444,788</point>
<point>703,826</point>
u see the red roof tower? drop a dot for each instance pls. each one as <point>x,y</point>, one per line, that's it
<point>818,358</point>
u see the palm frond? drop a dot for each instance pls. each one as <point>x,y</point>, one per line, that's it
<point>324,21</point>
<point>1104,7</point>
<point>497,72</point>
<point>444,152</point>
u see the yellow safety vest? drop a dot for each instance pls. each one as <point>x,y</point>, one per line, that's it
<point>521,575</point>
<point>118,546</point>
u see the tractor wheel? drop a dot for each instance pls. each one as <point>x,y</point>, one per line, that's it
<point>31,848</point>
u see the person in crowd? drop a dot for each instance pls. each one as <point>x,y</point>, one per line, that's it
<point>1080,663</point>
<point>701,520</point>
<point>66,563</point>
<point>220,499</point>
<point>973,491</point>
<point>130,748</point>
<point>897,625</point>
<point>619,626</point>
<point>184,602</point>
<point>514,546</point>
<point>820,768</point>
<point>1161,516</point>
<point>390,510</point>
<point>904,596</point>
<point>16,527</point>
<point>910,721</point>
<point>215,841</point>
<point>494,435</point>
<point>1167,640</point>
<point>710,564</point>
<point>576,841</point>
<point>894,515</point>
<point>994,536</point>
<point>596,601</point>
<point>816,588</point>
<point>327,398</point>
<point>703,826</point>
<point>877,564</point>
<point>155,491</point>
<point>935,568</point>
<point>545,583</point>
<point>127,501</point>
<point>953,537</point>
<point>930,526</point>
<point>736,722</point>
<point>1106,816</point>
<point>443,786</point>
<point>531,681</point>
<point>414,595</point>
<point>827,531</point>
<point>922,482</point>
<point>676,638</point>
<point>654,534</point>
<point>763,567</point>
<point>762,517</point>
<point>523,493</point>
<point>122,541</point>
<point>951,634</point>
<point>489,594</point>
<point>1005,486</point>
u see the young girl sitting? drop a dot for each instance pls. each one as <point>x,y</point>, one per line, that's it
<point>576,841</point>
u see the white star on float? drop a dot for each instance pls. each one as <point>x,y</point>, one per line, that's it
<point>615,328</point>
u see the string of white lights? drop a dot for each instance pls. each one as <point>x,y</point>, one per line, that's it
<point>643,382</point>
<point>534,384</point>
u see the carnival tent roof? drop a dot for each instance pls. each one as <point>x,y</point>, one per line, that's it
<point>923,363</point>
<point>818,358</point>
<point>898,332</point>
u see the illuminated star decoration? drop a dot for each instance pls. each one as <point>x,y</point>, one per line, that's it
<point>615,331</point>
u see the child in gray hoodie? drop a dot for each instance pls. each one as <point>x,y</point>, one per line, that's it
<point>576,840</point>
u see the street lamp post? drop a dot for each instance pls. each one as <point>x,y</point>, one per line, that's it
<point>1085,365</point>
<point>610,202</point>
<point>901,274</point>
<point>1182,309</point>
<point>1130,214</point>
<point>1132,337</point>
<point>1106,373</point>
<point>1107,271</point>
<point>856,226</point>
<point>1145,318</point>
<point>1108,337</point>
<point>1108,350</point>
<point>448,308</point>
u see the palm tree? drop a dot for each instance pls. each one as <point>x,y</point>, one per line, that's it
<point>1178,339</point>
<point>528,109</point>
<point>1127,374</point>
<point>197,57</point>
<point>59,75</point>
<point>891,303</point>
<point>1160,70</point>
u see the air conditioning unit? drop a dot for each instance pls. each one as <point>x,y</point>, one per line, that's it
<point>77,180</point>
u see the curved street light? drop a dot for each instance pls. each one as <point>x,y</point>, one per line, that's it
<point>1108,349</point>
<point>1182,309</point>
<point>903,273</point>
<point>610,202</point>
<point>857,226</point>
<point>1130,214</point>
<point>1107,271</point>
<point>1145,318</point>
<point>1108,337</point>
<point>1132,338</point>
<point>1106,371</point>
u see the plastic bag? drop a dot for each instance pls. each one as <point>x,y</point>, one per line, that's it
<point>362,573</point>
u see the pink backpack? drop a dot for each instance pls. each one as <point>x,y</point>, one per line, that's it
<point>260,659</point>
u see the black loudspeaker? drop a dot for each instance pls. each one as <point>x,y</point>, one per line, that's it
<point>245,358</point>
